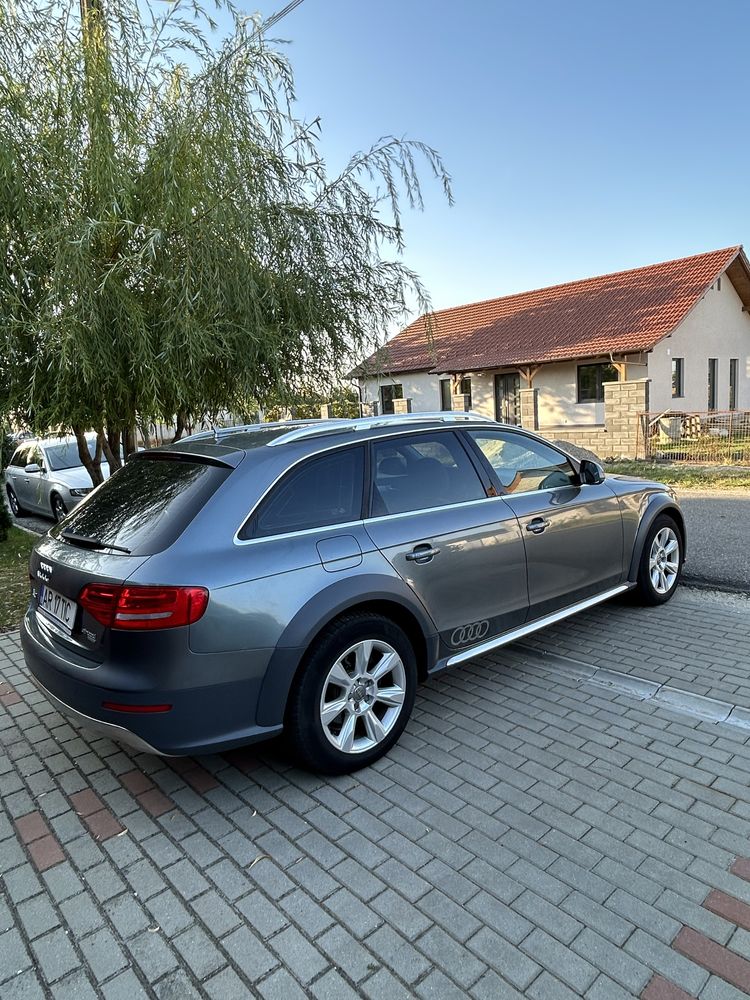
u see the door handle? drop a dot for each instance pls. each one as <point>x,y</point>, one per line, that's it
<point>422,553</point>
<point>537,525</point>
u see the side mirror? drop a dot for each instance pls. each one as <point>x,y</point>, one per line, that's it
<point>33,468</point>
<point>590,473</point>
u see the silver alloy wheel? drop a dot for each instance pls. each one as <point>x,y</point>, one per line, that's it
<point>59,509</point>
<point>13,501</point>
<point>362,696</point>
<point>664,560</point>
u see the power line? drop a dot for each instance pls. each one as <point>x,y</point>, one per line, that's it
<point>275,18</point>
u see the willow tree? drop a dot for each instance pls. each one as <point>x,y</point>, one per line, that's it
<point>171,242</point>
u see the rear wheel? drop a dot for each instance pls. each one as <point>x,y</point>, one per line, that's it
<point>59,510</point>
<point>15,506</point>
<point>661,562</point>
<point>354,695</point>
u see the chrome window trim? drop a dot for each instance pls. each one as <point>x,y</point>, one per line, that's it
<point>399,431</point>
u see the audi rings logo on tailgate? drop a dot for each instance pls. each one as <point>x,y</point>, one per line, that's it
<point>465,634</point>
<point>45,572</point>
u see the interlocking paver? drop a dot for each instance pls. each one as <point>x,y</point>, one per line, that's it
<point>531,835</point>
<point>55,955</point>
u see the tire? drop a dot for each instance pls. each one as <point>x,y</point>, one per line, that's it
<point>659,571</point>
<point>16,509</point>
<point>59,510</point>
<point>351,650</point>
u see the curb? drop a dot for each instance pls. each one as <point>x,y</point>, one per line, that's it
<point>697,705</point>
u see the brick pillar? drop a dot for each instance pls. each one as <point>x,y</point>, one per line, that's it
<point>402,406</point>
<point>623,401</point>
<point>461,402</point>
<point>529,409</point>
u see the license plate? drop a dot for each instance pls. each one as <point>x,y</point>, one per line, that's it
<point>60,609</point>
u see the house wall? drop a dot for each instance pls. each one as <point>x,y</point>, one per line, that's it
<point>421,387</point>
<point>558,406</point>
<point>716,328</point>
<point>557,386</point>
<point>558,396</point>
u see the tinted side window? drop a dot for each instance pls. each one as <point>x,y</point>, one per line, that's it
<point>523,464</point>
<point>421,471</point>
<point>325,490</point>
<point>19,456</point>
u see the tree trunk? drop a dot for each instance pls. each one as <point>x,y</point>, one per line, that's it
<point>92,465</point>
<point>112,457</point>
<point>179,425</point>
<point>128,441</point>
<point>113,441</point>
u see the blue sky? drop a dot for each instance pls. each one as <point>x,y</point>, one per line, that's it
<point>582,137</point>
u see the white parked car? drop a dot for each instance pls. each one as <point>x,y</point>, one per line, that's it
<point>45,476</point>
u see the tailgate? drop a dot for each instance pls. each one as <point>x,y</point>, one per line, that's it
<point>59,571</point>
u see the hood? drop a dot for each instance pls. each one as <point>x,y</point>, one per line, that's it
<point>77,478</point>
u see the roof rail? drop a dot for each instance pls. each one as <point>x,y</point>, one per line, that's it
<point>219,432</point>
<point>340,425</point>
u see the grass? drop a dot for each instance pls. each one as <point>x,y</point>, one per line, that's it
<point>14,577</point>
<point>686,477</point>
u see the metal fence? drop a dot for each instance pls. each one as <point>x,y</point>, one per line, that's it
<point>719,437</point>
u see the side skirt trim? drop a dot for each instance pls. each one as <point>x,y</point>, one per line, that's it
<point>539,623</point>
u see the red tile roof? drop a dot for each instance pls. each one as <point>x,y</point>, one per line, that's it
<point>625,312</point>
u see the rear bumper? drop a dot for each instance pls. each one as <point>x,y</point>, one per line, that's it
<point>214,697</point>
<point>118,733</point>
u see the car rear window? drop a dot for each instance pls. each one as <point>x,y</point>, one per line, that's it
<point>146,505</point>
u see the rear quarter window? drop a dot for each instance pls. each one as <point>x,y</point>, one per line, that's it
<point>146,505</point>
<point>324,490</point>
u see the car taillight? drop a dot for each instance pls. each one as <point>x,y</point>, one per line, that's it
<point>133,607</point>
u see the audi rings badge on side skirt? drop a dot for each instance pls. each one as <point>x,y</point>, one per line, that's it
<point>466,634</point>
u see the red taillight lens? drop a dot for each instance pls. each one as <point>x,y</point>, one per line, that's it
<point>133,607</point>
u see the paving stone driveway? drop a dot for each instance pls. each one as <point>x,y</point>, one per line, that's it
<point>533,835</point>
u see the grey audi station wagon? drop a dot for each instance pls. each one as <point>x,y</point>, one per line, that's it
<point>302,577</point>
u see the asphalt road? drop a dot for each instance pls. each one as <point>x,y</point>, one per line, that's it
<point>718,537</point>
<point>718,525</point>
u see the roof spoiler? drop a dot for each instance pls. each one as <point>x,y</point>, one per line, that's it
<point>225,458</point>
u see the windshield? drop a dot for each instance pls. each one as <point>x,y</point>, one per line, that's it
<point>65,456</point>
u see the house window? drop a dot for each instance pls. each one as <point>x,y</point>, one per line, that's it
<point>591,379</point>
<point>734,366</point>
<point>678,368</point>
<point>464,388</point>
<point>713,372</point>
<point>446,394</point>
<point>387,394</point>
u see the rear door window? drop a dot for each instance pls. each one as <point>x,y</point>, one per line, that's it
<point>146,505</point>
<point>421,471</point>
<point>325,490</point>
<point>20,457</point>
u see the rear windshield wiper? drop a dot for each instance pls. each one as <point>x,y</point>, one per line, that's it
<point>92,543</point>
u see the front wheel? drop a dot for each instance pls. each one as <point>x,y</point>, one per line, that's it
<point>661,562</point>
<point>59,510</point>
<point>354,694</point>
